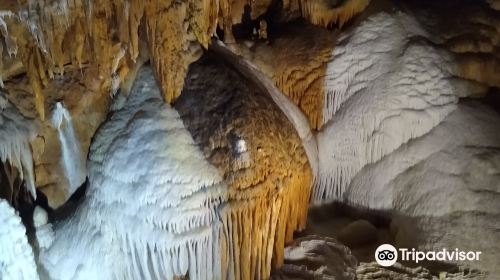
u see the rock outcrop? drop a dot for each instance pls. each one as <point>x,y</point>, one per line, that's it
<point>260,156</point>
<point>150,211</point>
<point>16,159</point>
<point>442,188</point>
<point>315,257</point>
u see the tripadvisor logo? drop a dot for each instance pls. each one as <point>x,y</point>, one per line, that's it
<point>387,255</point>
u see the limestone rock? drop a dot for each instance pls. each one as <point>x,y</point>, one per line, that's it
<point>358,233</point>
<point>150,210</point>
<point>369,271</point>
<point>258,153</point>
<point>315,257</point>
<point>442,188</point>
<point>384,89</point>
<point>88,107</point>
<point>296,61</point>
<point>16,159</point>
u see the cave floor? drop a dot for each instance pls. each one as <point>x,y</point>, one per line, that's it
<point>360,230</point>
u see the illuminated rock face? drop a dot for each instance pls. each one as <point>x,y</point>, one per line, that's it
<point>72,161</point>
<point>223,205</point>
<point>443,187</point>
<point>297,62</point>
<point>255,148</point>
<point>16,260</point>
<point>384,88</point>
<point>88,106</point>
<point>48,35</point>
<point>43,37</point>
<point>150,211</point>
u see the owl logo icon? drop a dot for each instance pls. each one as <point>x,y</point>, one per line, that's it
<point>386,255</point>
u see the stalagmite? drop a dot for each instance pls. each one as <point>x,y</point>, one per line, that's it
<point>16,258</point>
<point>43,229</point>
<point>260,156</point>
<point>73,163</point>
<point>150,208</point>
<point>16,134</point>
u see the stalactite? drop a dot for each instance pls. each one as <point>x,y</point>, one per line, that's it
<point>318,12</point>
<point>261,159</point>
<point>17,132</point>
<point>55,33</point>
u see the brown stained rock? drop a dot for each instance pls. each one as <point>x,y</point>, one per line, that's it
<point>297,60</point>
<point>88,107</point>
<point>324,13</point>
<point>261,158</point>
<point>50,35</point>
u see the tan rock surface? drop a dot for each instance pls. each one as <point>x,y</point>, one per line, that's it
<point>88,107</point>
<point>261,158</point>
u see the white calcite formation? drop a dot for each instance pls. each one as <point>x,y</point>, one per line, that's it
<point>16,134</point>
<point>71,155</point>
<point>386,84</point>
<point>16,256</point>
<point>150,208</point>
<point>43,229</point>
<point>443,188</point>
